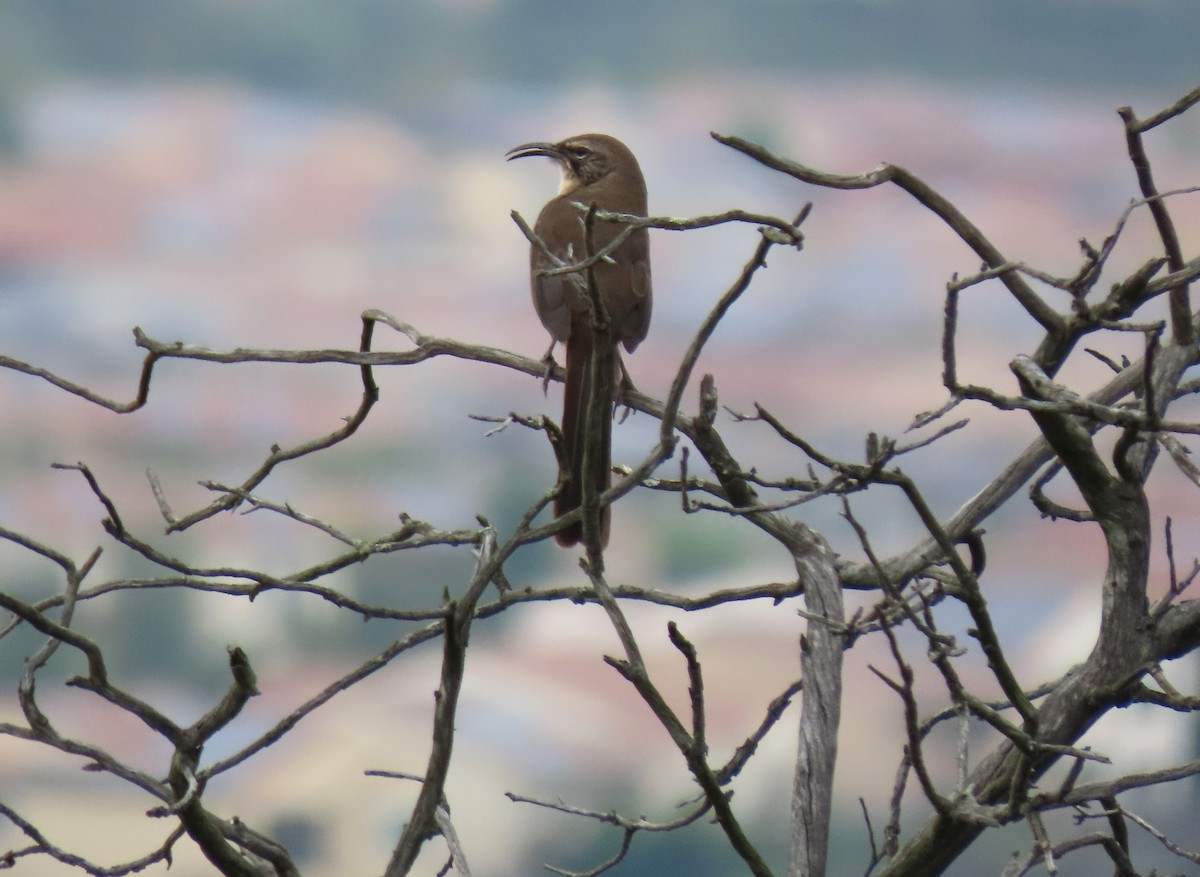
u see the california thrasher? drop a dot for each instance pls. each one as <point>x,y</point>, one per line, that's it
<point>600,170</point>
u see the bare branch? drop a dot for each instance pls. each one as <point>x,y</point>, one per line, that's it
<point>1182,326</point>
<point>929,198</point>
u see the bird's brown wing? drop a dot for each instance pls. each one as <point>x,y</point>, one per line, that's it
<point>635,323</point>
<point>557,299</point>
<point>551,299</point>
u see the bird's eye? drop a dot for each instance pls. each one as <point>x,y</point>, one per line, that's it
<point>580,152</point>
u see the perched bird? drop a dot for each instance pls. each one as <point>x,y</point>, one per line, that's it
<point>596,169</point>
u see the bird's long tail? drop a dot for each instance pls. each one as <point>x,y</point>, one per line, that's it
<point>577,396</point>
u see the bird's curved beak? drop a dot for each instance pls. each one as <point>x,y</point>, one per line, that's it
<point>549,150</point>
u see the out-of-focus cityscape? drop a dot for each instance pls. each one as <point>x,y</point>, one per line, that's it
<point>258,174</point>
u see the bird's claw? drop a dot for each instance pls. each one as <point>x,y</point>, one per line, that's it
<point>550,364</point>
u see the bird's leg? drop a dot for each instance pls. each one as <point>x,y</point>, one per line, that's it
<point>550,364</point>
<point>625,388</point>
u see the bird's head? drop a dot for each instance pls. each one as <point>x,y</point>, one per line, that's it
<point>585,160</point>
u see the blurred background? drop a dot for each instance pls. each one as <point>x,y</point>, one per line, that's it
<point>257,173</point>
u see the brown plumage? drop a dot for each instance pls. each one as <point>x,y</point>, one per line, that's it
<point>596,169</point>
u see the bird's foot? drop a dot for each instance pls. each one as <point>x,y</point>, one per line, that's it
<point>625,391</point>
<point>550,364</point>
